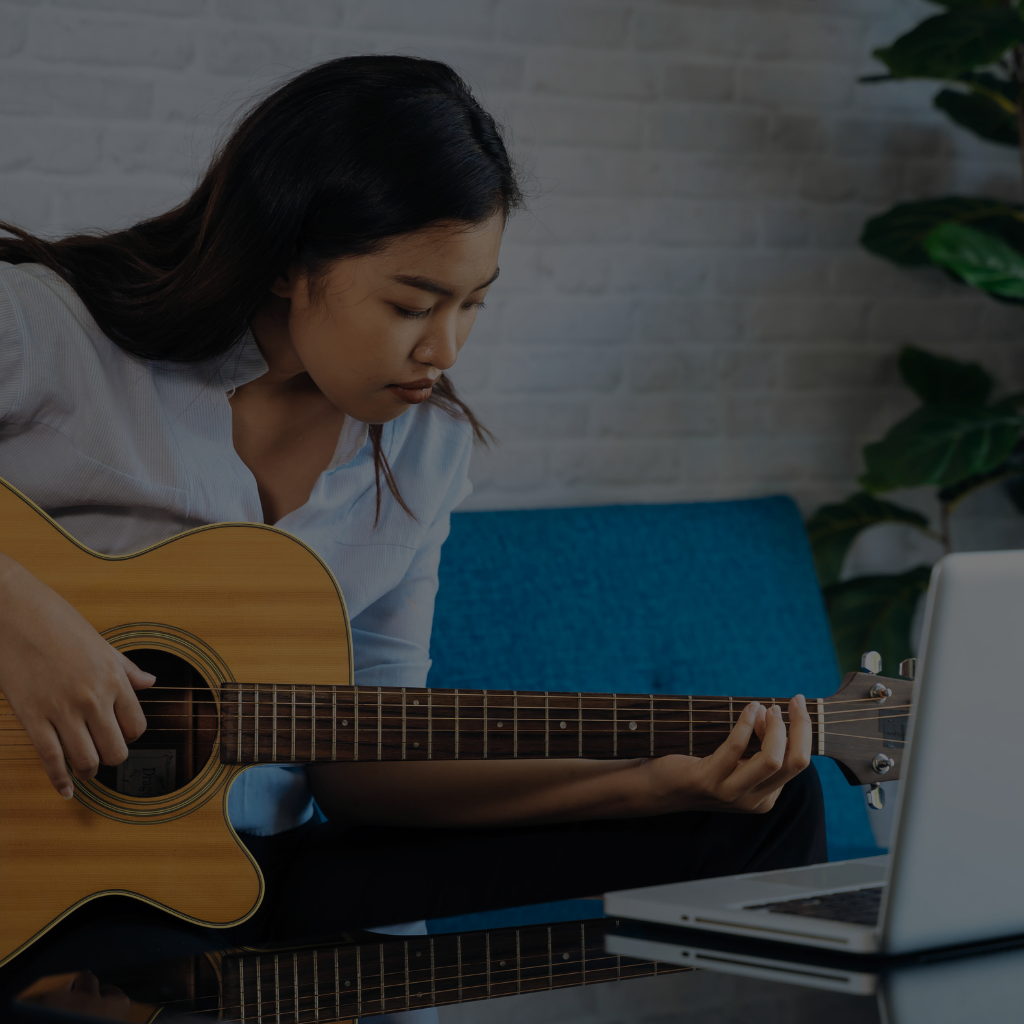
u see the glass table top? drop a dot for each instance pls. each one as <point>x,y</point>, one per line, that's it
<point>116,960</point>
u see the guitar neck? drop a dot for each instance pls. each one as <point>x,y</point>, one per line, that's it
<point>282,724</point>
<point>402,974</point>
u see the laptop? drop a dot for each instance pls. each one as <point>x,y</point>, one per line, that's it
<point>983,984</point>
<point>955,871</point>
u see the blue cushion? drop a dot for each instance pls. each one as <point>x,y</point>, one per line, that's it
<point>712,597</point>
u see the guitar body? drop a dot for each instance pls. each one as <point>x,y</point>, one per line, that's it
<point>237,602</point>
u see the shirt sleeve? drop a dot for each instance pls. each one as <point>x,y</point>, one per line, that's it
<point>391,637</point>
<point>11,355</point>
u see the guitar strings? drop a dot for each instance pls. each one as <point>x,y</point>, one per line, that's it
<point>370,987</point>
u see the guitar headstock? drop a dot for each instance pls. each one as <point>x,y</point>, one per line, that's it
<point>866,727</point>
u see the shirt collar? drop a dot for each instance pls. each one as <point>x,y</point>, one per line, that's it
<point>242,363</point>
<point>351,440</point>
<point>245,362</point>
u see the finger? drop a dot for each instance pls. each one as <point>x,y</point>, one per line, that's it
<point>79,748</point>
<point>760,724</point>
<point>798,748</point>
<point>131,719</point>
<point>725,758</point>
<point>44,738</point>
<point>765,764</point>
<point>139,679</point>
<point>107,737</point>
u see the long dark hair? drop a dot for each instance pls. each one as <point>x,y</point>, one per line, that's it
<point>343,157</point>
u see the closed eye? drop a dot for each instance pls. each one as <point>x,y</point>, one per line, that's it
<point>411,314</point>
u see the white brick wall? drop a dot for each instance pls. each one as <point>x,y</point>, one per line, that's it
<point>684,313</point>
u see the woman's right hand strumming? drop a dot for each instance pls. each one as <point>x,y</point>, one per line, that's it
<point>72,692</point>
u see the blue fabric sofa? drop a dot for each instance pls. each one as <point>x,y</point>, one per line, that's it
<point>712,598</point>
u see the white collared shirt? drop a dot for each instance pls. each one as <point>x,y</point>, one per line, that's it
<point>124,452</point>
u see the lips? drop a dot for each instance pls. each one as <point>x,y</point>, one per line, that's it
<point>414,391</point>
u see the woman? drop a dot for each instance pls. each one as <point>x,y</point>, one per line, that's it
<point>274,350</point>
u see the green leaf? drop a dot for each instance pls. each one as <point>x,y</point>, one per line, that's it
<point>899,233</point>
<point>981,259</point>
<point>940,446</point>
<point>940,381</point>
<point>873,613</point>
<point>833,528</point>
<point>950,44</point>
<point>979,114</point>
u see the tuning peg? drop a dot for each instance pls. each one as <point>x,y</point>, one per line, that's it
<point>871,662</point>
<point>908,668</point>
<point>876,796</point>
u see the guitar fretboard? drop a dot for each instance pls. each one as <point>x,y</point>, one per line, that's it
<point>275,724</point>
<point>403,974</point>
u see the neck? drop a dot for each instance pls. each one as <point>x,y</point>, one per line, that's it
<point>275,724</point>
<point>402,974</point>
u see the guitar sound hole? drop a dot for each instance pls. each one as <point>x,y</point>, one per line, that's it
<point>181,730</point>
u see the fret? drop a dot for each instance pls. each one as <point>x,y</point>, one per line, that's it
<point>579,734</point>
<point>486,726</point>
<point>277,985</point>
<point>383,995</point>
<point>403,723</point>
<point>405,951</point>
<point>334,724</point>
<point>239,725</point>
<point>312,723</point>
<point>295,983</point>
<point>519,960</point>
<point>241,989</point>
<point>293,722</point>
<point>380,722</point>
<point>651,724</point>
<point>359,982</point>
<point>515,725</point>
<point>487,961</point>
<point>547,725</point>
<point>273,741</point>
<point>689,702</point>
<point>551,963</point>
<point>355,726</point>
<point>458,726</point>
<point>256,723</point>
<point>337,984</point>
<point>821,725</point>
<point>731,721</point>
<point>458,962</point>
<point>433,979</point>
<point>430,725</point>
<point>583,953</point>
<point>615,725</point>
<point>316,987</point>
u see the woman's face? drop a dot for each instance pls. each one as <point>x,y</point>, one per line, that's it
<point>379,330</point>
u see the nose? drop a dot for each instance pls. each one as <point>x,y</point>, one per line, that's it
<point>440,347</point>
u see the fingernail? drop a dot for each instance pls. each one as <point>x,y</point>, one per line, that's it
<point>775,710</point>
<point>67,792</point>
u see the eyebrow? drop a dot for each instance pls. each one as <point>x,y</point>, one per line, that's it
<point>426,285</point>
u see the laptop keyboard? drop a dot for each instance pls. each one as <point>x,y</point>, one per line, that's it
<point>858,906</point>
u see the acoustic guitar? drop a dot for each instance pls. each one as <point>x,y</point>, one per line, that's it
<point>247,632</point>
<point>354,979</point>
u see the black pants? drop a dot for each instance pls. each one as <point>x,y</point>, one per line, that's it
<point>322,878</point>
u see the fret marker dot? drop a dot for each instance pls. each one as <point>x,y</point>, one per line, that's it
<point>419,953</point>
<point>561,725</point>
<point>502,964</point>
<point>565,956</point>
<point>501,725</point>
<point>415,744</point>
<point>632,726</point>
<point>416,702</point>
<point>344,721</point>
<point>348,984</point>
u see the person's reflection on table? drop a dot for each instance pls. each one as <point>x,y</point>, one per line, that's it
<point>83,993</point>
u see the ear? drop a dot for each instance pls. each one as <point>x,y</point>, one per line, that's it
<point>284,287</point>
